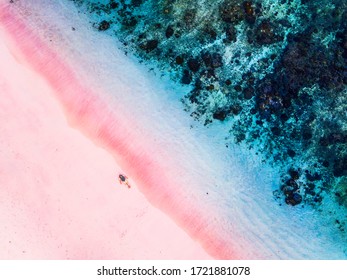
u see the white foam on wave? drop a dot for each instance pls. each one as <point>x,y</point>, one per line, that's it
<point>239,204</point>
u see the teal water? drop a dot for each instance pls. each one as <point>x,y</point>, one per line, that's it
<point>273,71</point>
<point>263,89</point>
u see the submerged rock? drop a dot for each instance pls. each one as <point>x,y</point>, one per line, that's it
<point>230,33</point>
<point>193,64</point>
<point>104,25</point>
<point>186,77</point>
<point>340,167</point>
<point>294,199</point>
<point>265,34</point>
<point>213,60</point>
<point>169,31</point>
<point>231,11</point>
<point>249,11</point>
<point>149,45</point>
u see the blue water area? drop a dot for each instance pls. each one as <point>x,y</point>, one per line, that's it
<point>274,71</point>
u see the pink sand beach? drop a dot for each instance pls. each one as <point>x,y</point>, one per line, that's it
<point>76,112</point>
<point>60,195</point>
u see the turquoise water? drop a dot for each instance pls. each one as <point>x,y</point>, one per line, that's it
<point>273,71</point>
<point>250,96</point>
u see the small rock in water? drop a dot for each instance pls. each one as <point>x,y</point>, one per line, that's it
<point>294,199</point>
<point>194,64</point>
<point>169,31</point>
<point>186,78</point>
<point>216,60</point>
<point>104,25</point>
<point>149,45</point>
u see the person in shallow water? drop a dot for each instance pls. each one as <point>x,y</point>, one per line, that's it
<point>123,180</point>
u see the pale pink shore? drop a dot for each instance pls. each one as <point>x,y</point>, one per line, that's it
<point>60,197</point>
<point>59,189</point>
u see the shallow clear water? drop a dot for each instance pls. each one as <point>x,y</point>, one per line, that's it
<point>270,174</point>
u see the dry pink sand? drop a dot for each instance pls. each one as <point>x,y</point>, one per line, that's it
<point>59,195</point>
